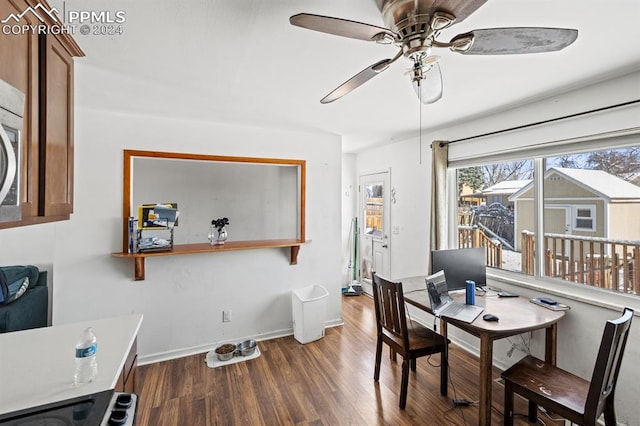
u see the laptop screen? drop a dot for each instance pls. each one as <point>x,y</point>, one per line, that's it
<point>438,293</point>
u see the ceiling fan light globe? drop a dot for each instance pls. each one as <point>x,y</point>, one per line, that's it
<point>426,93</point>
<point>427,83</point>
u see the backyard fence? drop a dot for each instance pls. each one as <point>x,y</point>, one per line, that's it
<point>472,236</point>
<point>598,262</point>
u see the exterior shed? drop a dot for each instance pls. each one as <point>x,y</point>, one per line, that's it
<point>580,202</point>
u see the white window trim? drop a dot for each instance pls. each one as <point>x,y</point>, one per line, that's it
<point>615,126</point>
<point>580,293</point>
<point>574,217</point>
<point>535,143</point>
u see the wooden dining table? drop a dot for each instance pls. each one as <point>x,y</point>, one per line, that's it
<point>516,315</point>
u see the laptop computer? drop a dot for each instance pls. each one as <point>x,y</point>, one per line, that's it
<point>442,305</point>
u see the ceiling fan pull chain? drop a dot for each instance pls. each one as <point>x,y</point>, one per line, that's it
<point>420,129</point>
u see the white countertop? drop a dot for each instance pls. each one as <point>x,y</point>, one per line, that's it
<point>37,366</point>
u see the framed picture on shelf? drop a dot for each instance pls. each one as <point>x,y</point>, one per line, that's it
<point>159,215</point>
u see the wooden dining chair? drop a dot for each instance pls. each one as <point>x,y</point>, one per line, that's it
<point>406,338</point>
<point>565,394</point>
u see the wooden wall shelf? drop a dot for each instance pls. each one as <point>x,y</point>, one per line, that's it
<point>178,249</point>
<point>128,209</point>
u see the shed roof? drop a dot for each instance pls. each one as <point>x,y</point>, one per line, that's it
<point>599,182</point>
<point>506,187</point>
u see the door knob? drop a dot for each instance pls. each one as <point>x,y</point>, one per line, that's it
<point>384,246</point>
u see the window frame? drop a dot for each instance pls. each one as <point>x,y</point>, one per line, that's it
<point>592,217</point>
<point>538,142</point>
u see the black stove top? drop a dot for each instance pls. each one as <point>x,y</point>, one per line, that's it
<point>103,408</point>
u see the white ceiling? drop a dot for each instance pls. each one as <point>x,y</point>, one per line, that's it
<point>241,61</point>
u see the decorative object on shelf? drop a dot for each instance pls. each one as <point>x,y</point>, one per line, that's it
<point>158,215</point>
<point>217,232</point>
<point>133,234</point>
<point>153,227</point>
<point>150,243</point>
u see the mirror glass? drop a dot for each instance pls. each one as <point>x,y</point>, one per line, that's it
<point>262,200</point>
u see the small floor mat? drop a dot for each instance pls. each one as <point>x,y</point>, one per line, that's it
<point>212,360</point>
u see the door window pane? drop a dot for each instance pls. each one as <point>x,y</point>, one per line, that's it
<point>373,212</point>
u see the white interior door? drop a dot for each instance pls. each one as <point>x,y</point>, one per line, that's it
<point>374,225</point>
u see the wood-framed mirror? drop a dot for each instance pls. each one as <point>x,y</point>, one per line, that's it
<point>263,198</point>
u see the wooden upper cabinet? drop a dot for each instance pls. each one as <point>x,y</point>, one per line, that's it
<point>19,67</point>
<point>56,128</point>
<point>41,66</point>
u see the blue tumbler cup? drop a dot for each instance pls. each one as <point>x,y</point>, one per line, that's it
<point>471,293</point>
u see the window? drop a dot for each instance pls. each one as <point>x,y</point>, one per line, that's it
<point>589,209</point>
<point>486,215</point>
<point>583,218</point>
<point>374,207</point>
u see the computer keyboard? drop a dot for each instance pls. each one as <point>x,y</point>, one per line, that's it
<point>452,309</point>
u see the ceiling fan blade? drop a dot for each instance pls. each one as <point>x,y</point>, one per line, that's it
<point>343,27</point>
<point>429,89</point>
<point>357,80</point>
<point>513,41</point>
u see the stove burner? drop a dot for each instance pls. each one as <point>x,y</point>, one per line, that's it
<point>124,400</point>
<point>122,410</point>
<point>118,417</point>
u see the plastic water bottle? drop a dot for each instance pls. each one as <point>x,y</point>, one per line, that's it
<point>86,363</point>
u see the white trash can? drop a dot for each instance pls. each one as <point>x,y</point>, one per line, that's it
<point>309,313</point>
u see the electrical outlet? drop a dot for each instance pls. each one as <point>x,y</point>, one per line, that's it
<point>226,316</point>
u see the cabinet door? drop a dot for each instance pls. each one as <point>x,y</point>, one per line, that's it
<point>19,67</point>
<point>56,129</point>
<point>130,384</point>
<point>127,379</point>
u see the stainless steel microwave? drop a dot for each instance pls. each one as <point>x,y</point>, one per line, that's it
<point>11,120</point>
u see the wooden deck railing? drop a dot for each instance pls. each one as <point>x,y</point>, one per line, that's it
<point>472,236</point>
<point>598,262</point>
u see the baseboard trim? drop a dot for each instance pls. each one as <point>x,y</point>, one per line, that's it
<point>204,348</point>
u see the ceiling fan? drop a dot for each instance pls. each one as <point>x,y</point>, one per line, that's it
<point>413,25</point>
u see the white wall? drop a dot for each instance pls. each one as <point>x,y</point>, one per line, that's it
<point>580,333</point>
<point>410,177</point>
<point>349,211</point>
<point>183,297</point>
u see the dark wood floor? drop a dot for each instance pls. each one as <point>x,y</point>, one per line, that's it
<point>327,382</point>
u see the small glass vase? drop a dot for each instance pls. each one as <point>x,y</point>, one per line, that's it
<point>217,236</point>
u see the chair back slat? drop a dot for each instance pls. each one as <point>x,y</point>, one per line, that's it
<point>390,311</point>
<point>607,367</point>
<point>410,343</point>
